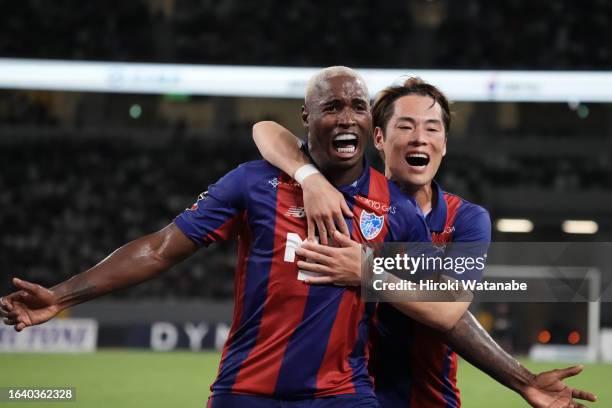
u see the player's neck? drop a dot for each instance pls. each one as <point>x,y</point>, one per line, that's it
<point>342,176</point>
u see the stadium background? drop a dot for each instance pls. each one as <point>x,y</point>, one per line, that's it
<point>83,172</point>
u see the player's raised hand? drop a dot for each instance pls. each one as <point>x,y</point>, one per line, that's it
<point>32,304</point>
<point>325,208</point>
<point>340,265</point>
<point>547,390</point>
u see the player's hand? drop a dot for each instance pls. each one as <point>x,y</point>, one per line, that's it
<point>325,208</point>
<point>547,390</point>
<point>32,304</point>
<point>341,265</point>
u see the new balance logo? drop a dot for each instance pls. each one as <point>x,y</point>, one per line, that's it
<point>297,212</point>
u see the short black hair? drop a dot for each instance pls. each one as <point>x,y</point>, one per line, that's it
<point>383,106</point>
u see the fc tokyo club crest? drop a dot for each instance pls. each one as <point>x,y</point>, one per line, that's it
<point>370,224</point>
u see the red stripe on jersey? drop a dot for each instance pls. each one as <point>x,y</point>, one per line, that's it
<point>244,247</point>
<point>452,377</point>
<point>349,316</point>
<point>452,206</point>
<point>379,187</point>
<point>228,229</point>
<point>261,368</point>
<point>427,360</point>
<point>341,342</point>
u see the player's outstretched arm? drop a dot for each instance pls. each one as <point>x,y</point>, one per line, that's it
<point>545,390</point>
<point>135,262</point>
<point>323,204</point>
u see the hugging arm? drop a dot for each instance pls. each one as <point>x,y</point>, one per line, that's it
<point>344,264</point>
<point>544,390</point>
<point>325,206</point>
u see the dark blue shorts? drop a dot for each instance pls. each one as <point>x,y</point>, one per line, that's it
<point>336,401</point>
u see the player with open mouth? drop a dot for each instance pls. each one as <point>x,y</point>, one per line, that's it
<point>291,345</point>
<point>413,366</point>
<point>345,144</point>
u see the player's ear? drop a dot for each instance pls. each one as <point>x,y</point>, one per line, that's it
<point>444,146</point>
<point>379,138</point>
<point>305,116</point>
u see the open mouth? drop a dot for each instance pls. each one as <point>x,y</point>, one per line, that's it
<point>417,159</point>
<point>345,143</point>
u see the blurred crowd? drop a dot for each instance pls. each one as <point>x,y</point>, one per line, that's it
<point>473,174</point>
<point>66,204</point>
<point>523,34</point>
<point>474,34</point>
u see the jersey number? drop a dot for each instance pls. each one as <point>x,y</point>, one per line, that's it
<point>293,242</point>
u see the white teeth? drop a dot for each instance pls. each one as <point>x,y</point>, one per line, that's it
<point>345,136</point>
<point>422,155</point>
<point>349,149</point>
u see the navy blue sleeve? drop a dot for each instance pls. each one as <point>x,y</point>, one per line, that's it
<point>472,224</point>
<point>218,212</point>
<point>471,240</point>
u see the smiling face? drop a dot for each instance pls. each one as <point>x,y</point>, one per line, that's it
<point>413,141</point>
<point>337,116</point>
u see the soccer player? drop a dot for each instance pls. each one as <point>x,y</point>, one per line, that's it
<point>412,364</point>
<point>290,344</point>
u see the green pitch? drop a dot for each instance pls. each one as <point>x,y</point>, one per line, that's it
<point>147,379</point>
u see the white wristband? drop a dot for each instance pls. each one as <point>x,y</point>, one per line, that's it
<point>303,172</point>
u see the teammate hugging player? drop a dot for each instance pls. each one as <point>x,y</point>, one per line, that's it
<point>413,365</point>
<point>290,344</point>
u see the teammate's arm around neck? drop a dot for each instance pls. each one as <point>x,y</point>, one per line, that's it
<point>279,146</point>
<point>323,204</point>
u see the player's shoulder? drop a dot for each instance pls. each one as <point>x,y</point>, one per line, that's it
<point>472,221</point>
<point>245,176</point>
<point>257,169</point>
<point>464,207</point>
<point>258,166</point>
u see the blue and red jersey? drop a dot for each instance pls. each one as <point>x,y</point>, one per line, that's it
<point>289,339</point>
<point>411,365</point>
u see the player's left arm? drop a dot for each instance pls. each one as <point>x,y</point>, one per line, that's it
<point>472,342</point>
<point>440,310</point>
